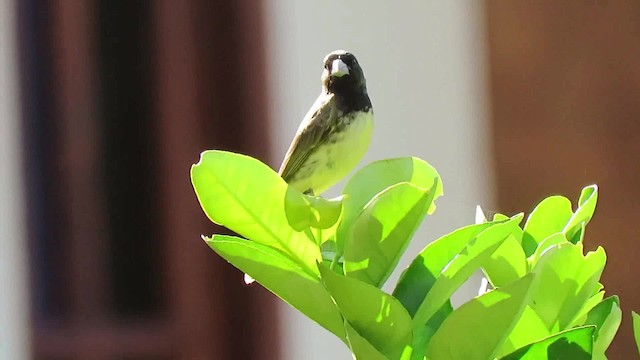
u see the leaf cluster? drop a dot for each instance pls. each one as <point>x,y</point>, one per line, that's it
<point>329,258</point>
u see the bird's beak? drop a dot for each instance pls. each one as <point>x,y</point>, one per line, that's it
<point>339,68</point>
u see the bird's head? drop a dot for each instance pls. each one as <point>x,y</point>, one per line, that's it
<point>342,73</point>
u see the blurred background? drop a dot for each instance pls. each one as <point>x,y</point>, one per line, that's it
<point>105,104</point>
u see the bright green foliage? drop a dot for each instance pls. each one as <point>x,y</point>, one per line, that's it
<point>329,259</point>
<point>382,231</point>
<point>361,348</point>
<point>508,263</point>
<point>548,218</point>
<point>418,279</point>
<point>246,196</point>
<point>377,317</point>
<point>573,277</point>
<point>528,329</point>
<point>461,267</point>
<point>465,334</point>
<point>282,276</point>
<point>574,344</point>
<point>378,176</point>
<point>636,328</point>
<point>606,317</point>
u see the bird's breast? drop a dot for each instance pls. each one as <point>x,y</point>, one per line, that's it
<point>341,151</point>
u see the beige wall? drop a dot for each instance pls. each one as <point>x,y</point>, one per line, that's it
<point>13,271</point>
<point>425,66</point>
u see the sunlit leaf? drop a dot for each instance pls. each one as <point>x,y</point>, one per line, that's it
<point>529,329</point>
<point>383,230</point>
<point>379,175</point>
<point>550,216</point>
<point>478,328</point>
<point>548,242</point>
<point>283,277</point>
<point>246,196</point>
<point>377,317</point>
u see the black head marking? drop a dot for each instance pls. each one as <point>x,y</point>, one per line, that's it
<point>349,87</point>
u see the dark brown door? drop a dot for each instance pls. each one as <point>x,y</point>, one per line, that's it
<point>565,84</point>
<point>120,97</point>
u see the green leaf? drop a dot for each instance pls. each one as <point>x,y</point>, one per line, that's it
<point>549,217</point>
<point>581,319</point>
<point>636,328</point>
<point>418,279</point>
<point>377,317</point>
<point>606,317</point>
<point>582,216</point>
<point>248,197</point>
<point>478,328</point>
<point>529,329</point>
<point>283,277</point>
<point>548,242</point>
<point>507,264</point>
<point>360,347</point>
<point>574,344</point>
<point>326,212</point>
<point>383,230</point>
<point>422,336</point>
<point>377,176</point>
<point>458,270</point>
<point>498,217</point>
<point>567,280</point>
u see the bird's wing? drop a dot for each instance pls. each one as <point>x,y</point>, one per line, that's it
<point>312,130</point>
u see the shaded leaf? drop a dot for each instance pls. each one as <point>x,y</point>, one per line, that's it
<point>581,319</point>
<point>360,347</point>
<point>567,279</point>
<point>507,264</point>
<point>463,265</point>
<point>418,279</point>
<point>606,317</point>
<point>582,216</point>
<point>574,344</point>
<point>636,328</point>
<point>422,336</point>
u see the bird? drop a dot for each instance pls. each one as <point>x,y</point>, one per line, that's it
<point>335,133</point>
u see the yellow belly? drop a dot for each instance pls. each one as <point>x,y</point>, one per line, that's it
<point>337,157</point>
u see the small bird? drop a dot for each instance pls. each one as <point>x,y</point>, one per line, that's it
<point>336,132</point>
